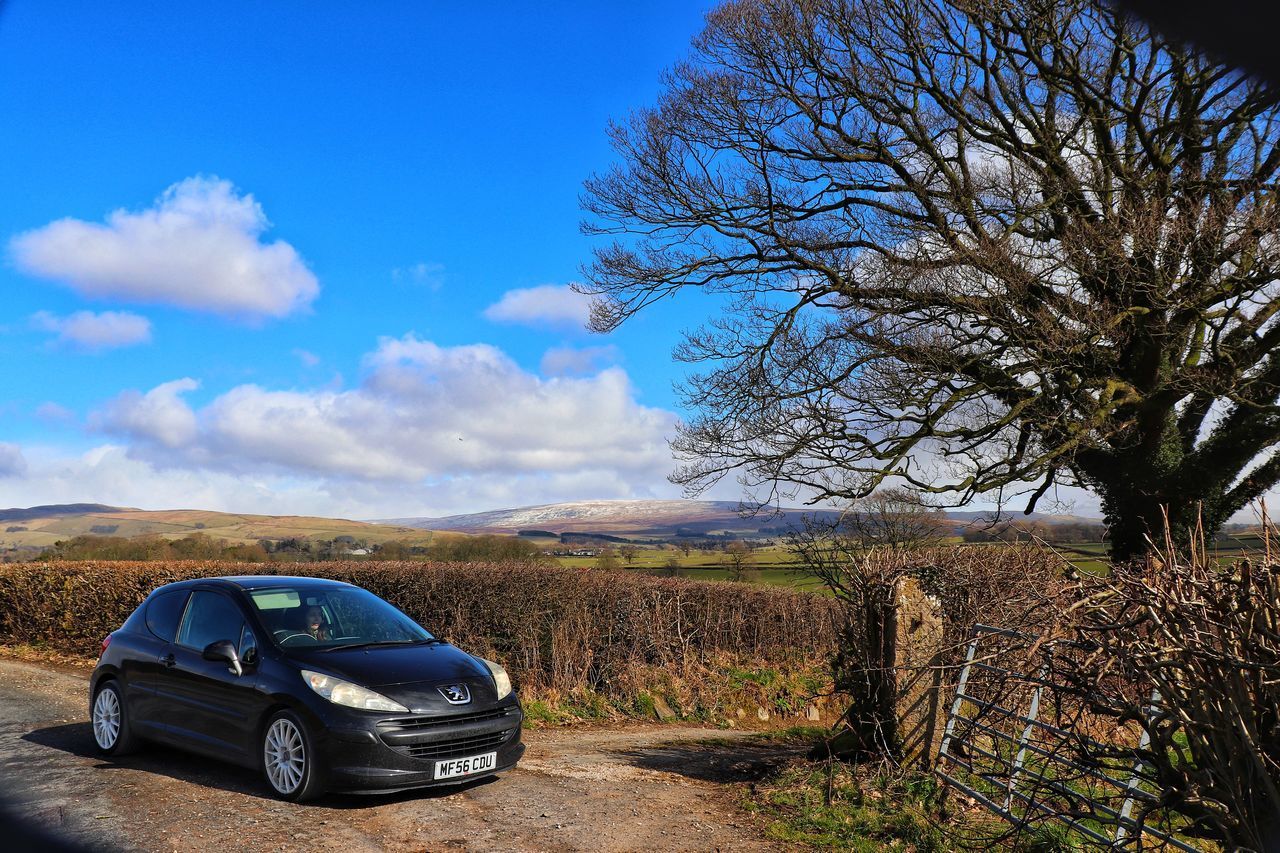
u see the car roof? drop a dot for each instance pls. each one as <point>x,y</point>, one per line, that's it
<point>260,581</point>
<point>248,582</point>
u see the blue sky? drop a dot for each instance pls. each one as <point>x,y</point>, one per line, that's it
<point>314,258</point>
<point>375,137</point>
<point>387,173</point>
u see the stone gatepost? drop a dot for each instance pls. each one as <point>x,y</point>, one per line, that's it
<point>895,680</point>
<point>919,707</point>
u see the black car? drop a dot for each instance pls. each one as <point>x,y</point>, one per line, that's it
<point>321,684</point>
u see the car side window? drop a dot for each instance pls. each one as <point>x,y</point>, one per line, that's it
<point>163,613</point>
<point>210,617</point>
<point>248,646</point>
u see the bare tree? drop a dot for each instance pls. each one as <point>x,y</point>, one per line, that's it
<point>607,559</point>
<point>976,246</point>
<point>737,560</point>
<point>896,518</point>
<point>671,568</point>
<point>628,553</point>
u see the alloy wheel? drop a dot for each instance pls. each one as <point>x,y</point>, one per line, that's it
<point>284,755</point>
<point>106,718</point>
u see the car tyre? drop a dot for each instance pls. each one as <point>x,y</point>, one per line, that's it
<point>290,763</point>
<point>110,721</point>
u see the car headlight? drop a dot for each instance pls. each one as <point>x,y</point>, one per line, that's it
<point>341,692</point>
<point>501,680</point>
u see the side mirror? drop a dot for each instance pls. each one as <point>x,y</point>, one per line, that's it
<point>224,650</point>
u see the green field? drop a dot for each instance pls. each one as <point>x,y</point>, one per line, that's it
<point>769,557</point>
<point>772,577</point>
<point>775,565</point>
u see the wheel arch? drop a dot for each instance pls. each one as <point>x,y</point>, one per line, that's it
<point>284,702</point>
<point>104,673</point>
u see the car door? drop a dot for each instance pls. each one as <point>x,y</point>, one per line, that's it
<point>140,669</point>
<point>206,705</point>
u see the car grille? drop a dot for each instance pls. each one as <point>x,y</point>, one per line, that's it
<point>429,738</point>
<point>455,748</point>
<point>410,724</point>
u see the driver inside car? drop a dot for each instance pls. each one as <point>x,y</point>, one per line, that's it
<point>316,626</point>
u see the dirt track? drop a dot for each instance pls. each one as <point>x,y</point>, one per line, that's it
<point>629,788</point>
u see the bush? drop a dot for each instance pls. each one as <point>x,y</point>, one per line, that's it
<point>559,631</point>
<point>486,548</point>
<point>1008,586</point>
<point>1003,586</point>
<point>1203,641</point>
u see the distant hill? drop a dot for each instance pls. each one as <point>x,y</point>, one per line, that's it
<point>662,518</point>
<point>41,526</point>
<point>56,511</point>
<point>639,516</point>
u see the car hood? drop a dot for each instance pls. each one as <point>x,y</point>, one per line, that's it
<point>386,666</point>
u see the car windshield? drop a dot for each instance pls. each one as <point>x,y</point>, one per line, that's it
<point>333,617</point>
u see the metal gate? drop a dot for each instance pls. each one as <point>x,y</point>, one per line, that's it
<point>999,749</point>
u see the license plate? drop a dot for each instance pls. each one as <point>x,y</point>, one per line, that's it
<point>466,766</point>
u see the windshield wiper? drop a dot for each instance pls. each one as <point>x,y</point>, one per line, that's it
<point>428,642</point>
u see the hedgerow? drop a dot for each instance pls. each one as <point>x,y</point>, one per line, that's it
<point>561,632</point>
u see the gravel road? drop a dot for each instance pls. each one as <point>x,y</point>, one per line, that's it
<point>622,788</point>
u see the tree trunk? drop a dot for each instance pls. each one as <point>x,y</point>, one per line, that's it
<point>1136,520</point>
<point>1149,485</point>
<point>1133,523</point>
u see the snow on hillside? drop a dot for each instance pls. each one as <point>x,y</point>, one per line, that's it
<point>637,515</point>
<point>553,516</point>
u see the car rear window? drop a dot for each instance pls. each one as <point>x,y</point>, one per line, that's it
<point>163,613</point>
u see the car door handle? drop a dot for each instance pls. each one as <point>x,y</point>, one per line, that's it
<point>168,660</point>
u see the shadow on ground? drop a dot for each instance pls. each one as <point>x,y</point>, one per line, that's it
<point>77,739</point>
<point>714,763</point>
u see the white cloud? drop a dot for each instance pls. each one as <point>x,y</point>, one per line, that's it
<point>92,332</point>
<point>107,474</point>
<point>565,361</point>
<point>12,462</point>
<point>546,305</point>
<point>159,417</point>
<point>430,275</point>
<point>111,474</point>
<point>308,358</point>
<point>422,413</point>
<point>429,430</point>
<point>196,248</point>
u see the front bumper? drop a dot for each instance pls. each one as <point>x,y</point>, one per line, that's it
<point>393,753</point>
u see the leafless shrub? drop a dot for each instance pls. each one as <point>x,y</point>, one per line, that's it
<point>1009,586</point>
<point>867,587</point>
<point>557,630</point>
<point>895,517</point>
<point>1015,587</point>
<point>1205,641</point>
<point>1004,586</point>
